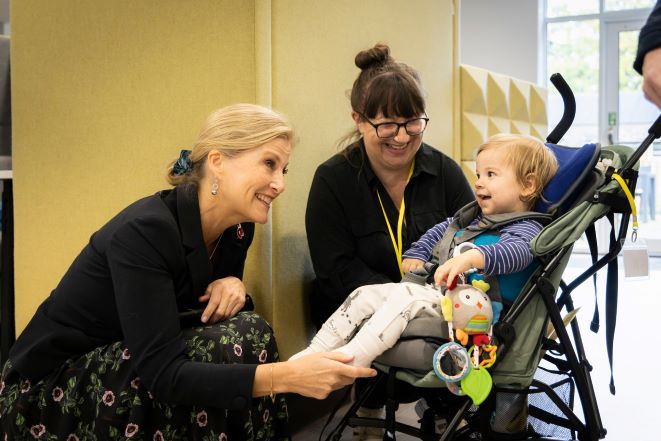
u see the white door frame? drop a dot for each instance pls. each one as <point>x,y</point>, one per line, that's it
<point>609,70</point>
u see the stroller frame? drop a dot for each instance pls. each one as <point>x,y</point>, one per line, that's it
<point>575,364</point>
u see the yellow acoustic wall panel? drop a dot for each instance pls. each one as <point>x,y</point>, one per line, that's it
<point>497,96</point>
<point>104,94</point>
<point>473,90</point>
<point>474,128</point>
<point>314,45</point>
<point>107,92</point>
<point>492,103</point>
<point>474,110</point>
<point>519,97</point>
<point>497,104</point>
<point>538,115</point>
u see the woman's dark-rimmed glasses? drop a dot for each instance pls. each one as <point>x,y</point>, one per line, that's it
<point>413,127</point>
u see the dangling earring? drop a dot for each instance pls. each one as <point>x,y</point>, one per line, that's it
<point>214,187</point>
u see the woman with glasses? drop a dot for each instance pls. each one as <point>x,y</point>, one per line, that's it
<point>368,203</point>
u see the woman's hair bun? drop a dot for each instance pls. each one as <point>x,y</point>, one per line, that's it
<point>376,56</point>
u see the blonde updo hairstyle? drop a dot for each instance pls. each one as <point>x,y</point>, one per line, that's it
<point>527,155</point>
<point>232,130</point>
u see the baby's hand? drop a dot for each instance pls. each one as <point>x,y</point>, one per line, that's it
<point>410,264</point>
<point>451,269</point>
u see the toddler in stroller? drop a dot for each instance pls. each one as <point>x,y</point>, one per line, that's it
<point>528,402</point>
<point>512,171</point>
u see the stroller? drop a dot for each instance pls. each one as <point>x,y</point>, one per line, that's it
<point>539,369</point>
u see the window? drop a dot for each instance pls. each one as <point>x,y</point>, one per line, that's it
<point>566,8</point>
<point>618,5</point>
<point>573,51</point>
<point>576,46</point>
<point>593,43</point>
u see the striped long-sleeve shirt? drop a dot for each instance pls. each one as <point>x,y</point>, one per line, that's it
<point>510,254</point>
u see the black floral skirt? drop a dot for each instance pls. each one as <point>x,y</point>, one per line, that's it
<point>99,397</point>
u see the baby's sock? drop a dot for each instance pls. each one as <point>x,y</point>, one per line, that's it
<point>324,341</point>
<point>365,347</point>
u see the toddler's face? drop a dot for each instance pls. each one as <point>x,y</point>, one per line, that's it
<point>497,189</point>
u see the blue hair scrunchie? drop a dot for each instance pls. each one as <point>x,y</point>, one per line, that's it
<point>183,165</point>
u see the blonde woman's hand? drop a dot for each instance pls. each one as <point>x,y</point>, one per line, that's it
<point>317,375</point>
<point>410,264</point>
<point>225,297</point>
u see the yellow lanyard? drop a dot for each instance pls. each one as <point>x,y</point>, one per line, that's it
<point>632,203</point>
<point>397,244</point>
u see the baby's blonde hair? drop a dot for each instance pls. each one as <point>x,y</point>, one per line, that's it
<point>527,155</point>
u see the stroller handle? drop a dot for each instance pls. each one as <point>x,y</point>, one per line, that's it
<point>656,128</point>
<point>569,108</point>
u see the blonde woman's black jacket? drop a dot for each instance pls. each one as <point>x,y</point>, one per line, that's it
<point>130,282</point>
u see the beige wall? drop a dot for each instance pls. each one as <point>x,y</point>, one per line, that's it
<point>518,28</point>
<point>106,92</point>
<point>314,46</point>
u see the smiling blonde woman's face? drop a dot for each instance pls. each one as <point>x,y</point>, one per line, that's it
<point>251,180</point>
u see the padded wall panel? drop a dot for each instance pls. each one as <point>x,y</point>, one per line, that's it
<point>314,45</point>
<point>497,96</point>
<point>538,114</point>
<point>519,97</point>
<point>104,94</point>
<point>492,103</point>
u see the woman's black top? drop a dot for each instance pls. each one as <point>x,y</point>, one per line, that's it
<point>130,282</point>
<point>348,237</point>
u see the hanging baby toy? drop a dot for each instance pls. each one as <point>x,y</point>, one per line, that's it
<point>470,314</point>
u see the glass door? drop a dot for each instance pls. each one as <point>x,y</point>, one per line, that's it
<point>626,116</point>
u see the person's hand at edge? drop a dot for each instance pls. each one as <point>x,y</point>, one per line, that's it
<point>652,76</point>
<point>411,264</point>
<point>315,375</point>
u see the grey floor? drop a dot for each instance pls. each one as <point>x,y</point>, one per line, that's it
<point>630,414</point>
<point>310,430</point>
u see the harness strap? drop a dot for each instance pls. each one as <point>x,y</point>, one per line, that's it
<point>611,302</point>
<point>441,250</point>
<point>463,217</point>
<point>591,236</point>
<point>462,221</point>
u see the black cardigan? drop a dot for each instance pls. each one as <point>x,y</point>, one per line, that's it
<point>131,281</point>
<point>348,238</point>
